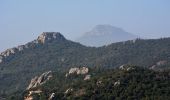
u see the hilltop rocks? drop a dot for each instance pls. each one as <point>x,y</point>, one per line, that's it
<point>36,81</point>
<point>48,36</point>
<point>20,48</point>
<point>13,51</point>
<point>8,52</point>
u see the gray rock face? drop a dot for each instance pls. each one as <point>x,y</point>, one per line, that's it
<point>36,81</point>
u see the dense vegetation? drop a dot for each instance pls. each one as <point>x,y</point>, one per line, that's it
<point>19,68</point>
<point>135,84</point>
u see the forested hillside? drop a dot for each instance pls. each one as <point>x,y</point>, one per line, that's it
<point>124,83</point>
<point>51,51</point>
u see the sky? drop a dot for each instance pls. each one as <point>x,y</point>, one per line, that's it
<point>22,21</point>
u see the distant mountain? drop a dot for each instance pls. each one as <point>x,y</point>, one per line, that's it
<point>105,34</point>
<point>52,51</point>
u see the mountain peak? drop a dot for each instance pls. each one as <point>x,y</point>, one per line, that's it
<point>102,26</point>
<point>50,36</point>
<point>105,29</point>
<point>105,34</point>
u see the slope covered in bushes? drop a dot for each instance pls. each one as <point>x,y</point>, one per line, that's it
<point>129,82</point>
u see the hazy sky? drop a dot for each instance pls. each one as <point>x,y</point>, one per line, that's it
<point>23,20</point>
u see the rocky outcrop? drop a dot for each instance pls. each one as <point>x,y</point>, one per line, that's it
<point>13,51</point>
<point>117,83</point>
<point>126,67</point>
<point>31,93</point>
<point>43,38</point>
<point>49,36</point>
<point>68,90</point>
<point>39,80</point>
<point>51,96</point>
<point>159,64</point>
<point>8,52</point>
<point>83,70</point>
<point>87,77</point>
<point>79,71</point>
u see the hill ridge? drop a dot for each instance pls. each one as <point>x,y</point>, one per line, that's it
<point>44,37</point>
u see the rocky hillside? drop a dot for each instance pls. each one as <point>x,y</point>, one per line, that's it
<point>124,83</point>
<point>102,35</point>
<point>51,51</point>
<point>43,38</point>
